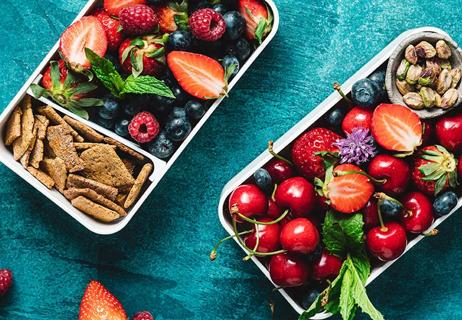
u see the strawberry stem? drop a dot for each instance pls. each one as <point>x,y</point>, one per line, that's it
<point>338,88</point>
<point>277,156</point>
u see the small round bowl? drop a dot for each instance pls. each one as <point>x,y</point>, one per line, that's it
<point>398,54</point>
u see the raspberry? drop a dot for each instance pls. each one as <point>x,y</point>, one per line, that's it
<point>144,315</point>
<point>207,24</point>
<point>143,127</point>
<point>138,19</point>
<point>6,281</point>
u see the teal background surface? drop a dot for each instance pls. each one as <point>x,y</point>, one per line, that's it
<point>159,262</point>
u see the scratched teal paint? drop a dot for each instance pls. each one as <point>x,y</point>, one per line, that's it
<point>160,261</point>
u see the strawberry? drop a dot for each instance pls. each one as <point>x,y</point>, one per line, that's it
<point>257,17</point>
<point>396,128</point>
<point>47,83</point>
<point>145,55</point>
<point>99,304</point>
<point>307,145</point>
<point>88,32</point>
<point>435,169</point>
<point>112,28</point>
<point>113,7</point>
<point>346,189</point>
<point>198,75</point>
<point>173,16</point>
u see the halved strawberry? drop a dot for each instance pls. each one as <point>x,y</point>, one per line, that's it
<point>257,17</point>
<point>172,16</point>
<point>198,75</point>
<point>88,32</point>
<point>98,304</point>
<point>114,6</point>
<point>396,128</point>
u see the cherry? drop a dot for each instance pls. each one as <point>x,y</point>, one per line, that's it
<point>296,194</point>
<point>428,132</point>
<point>287,270</point>
<point>395,171</point>
<point>370,215</point>
<point>326,267</point>
<point>459,168</point>
<point>268,235</point>
<point>357,117</point>
<point>449,132</point>
<point>387,242</point>
<point>279,170</point>
<point>299,235</point>
<point>418,212</point>
<point>273,209</point>
<point>249,200</point>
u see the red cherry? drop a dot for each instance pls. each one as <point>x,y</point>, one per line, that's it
<point>288,270</point>
<point>249,199</point>
<point>355,118</point>
<point>449,132</point>
<point>268,234</point>
<point>428,132</point>
<point>396,172</point>
<point>388,242</point>
<point>370,215</point>
<point>285,221</point>
<point>299,235</point>
<point>417,215</point>
<point>279,170</point>
<point>327,266</point>
<point>296,194</point>
<point>273,209</point>
<point>459,168</point>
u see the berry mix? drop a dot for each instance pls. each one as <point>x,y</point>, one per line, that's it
<point>148,70</point>
<point>347,195</point>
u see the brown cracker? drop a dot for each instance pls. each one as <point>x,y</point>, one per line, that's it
<point>61,143</point>
<point>42,125</point>
<point>84,130</point>
<point>55,118</point>
<point>95,210</point>
<point>124,148</point>
<point>81,146</point>
<point>42,177</point>
<point>73,193</point>
<point>121,197</point>
<point>13,126</point>
<point>26,156</point>
<point>139,182</point>
<point>37,154</point>
<point>56,168</point>
<point>75,181</point>
<point>21,144</point>
<point>130,165</point>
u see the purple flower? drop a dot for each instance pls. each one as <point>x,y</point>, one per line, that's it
<point>358,147</point>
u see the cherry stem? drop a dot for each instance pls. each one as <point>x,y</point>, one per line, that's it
<point>382,225</point>
<point>338,88</point>
<point>277,156</point>
<point>234,210</point>
<point>213,253</point>
<point>274,192</point>
<point>431,233</point>
<point>272,307</point>
<point>344,173</point>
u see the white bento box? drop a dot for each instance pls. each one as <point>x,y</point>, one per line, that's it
<point>160,166</point>
<point>298,129</point>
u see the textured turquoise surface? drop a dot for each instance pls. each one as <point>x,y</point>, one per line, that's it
<point>160,261</point>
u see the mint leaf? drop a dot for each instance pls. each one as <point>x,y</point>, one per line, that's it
<point>106,73</point>
<point>147,85</point>
<point>80,112</point>
<point>362,265</point>
<point>343,234</point>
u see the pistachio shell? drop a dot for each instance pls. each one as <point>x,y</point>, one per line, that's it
<point>413,100</point>
<point>402,69</point>
<point>404,87</point>
<point>456,75</point>
<point>413,74</point>
<point>410,54</point>
<point>449,98</point>
<point>425,50</point>
<point>428,96</point>
<point>444,82</point>
<point>442,50</point>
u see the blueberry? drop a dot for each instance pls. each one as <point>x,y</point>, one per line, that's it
<point>161,147</point>
<point>214,49</point>
<point>220,8</point>
<point>177,112</point>
<point>230,60</point>
<point>235,25</point>
<point>390,207</point>
<point>121,127</point>
<point>379,78</point>
<point>366,93</point>
<point>164,100</point>
<point>177,129</point>
<point>263,179</point>
<point>180,40</point>
<point>109,109</point>
<point>241,49</point>
<point>178,92</point>
<point>335,116</point>
<point>444,203</point>
<point>309,298</point>
<point>315,254</point>
<point>105,123</point>
<point>156,2</point>
<point>194,109</point>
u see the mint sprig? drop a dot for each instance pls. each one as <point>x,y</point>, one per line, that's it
<point>106,72</point>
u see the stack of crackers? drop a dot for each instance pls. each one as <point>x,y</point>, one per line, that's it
<point>99,175</point>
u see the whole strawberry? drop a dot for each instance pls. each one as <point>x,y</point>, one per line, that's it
<point>138,19</point>
<point>144,315</point>
<point>151,48</point>
<point>112,27</point>
<point>307,145</point>
<point>435,169</point>
<point>207,24</point>
<point>6,281</point>
<point>144,127</point>
<point>172,16</point>
<point>99,303</point>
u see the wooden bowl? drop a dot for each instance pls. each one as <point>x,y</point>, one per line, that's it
<point>398,54</point>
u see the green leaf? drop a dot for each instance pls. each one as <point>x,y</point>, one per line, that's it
<point>126,53</point>
<point>147,85</point>
<point>55,74</point>
<point>343,234</point>
<point>37,90</point>
<point>80,112</point>
<point>89,102</point>
<point>440,184</point>
<point>137,42</point>
<point>137,64</point>
<point>157,53</point>
<point>347,301</point>
<point>260,30</point>
<point>70,80</point>
<point>106,73</point>
<point>85,87</point>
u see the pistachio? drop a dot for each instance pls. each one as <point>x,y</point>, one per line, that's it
<point>413,100</point>
<point>442,50</point>
<point>449,98</point>
<point>404,87</point>
<point>445,64</point>
<point>432,64</point>
<point>418,86</point>
<point>456,74</point>
<point>444,82</point>
<point>427,77</point>
<point>402,69</point>
<point>413,74</point>
<point>425,50</point>
<point>410,54</point>
<point>437,100</point>
<point>428,96</point>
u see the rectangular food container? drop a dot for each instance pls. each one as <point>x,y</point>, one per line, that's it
<point>160,166</point>
<point>304,124</point>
